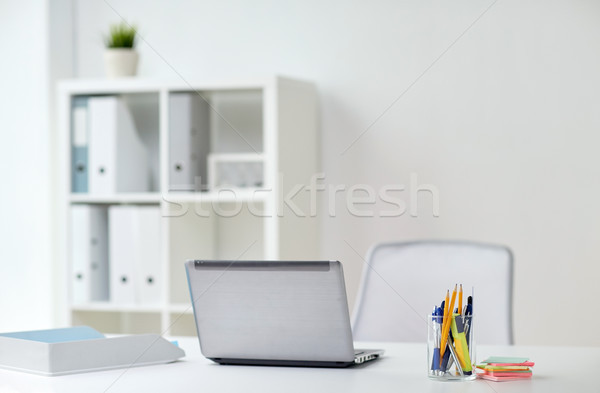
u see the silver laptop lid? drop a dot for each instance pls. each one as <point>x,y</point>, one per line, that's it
<point>279,310</point>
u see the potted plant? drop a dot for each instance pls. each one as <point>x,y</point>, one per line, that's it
<point>120,57</point>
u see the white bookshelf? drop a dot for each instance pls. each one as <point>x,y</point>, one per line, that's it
<point>274,119</point>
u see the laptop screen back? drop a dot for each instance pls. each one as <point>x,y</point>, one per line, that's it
<point>275,310</point>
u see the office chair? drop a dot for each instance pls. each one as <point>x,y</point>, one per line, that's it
<point>402,282</point>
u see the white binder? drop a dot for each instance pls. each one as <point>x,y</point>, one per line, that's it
<point>148,267</point>
<point>189,141</point>
<point>135,276</point>
<point>79,146</point>
<point>89,254</point>
<point>122,248</point>
<point>117,156</point>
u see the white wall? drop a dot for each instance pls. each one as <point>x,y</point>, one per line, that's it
<point>26,300</point>
<point>505,124</point>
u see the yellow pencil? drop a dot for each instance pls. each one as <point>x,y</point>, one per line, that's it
<point>446,324</point>
<point>445,319</point>
<point>446,305</point>
<point>460,300</point>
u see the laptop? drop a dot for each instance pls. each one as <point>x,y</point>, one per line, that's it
<point>273,313</point>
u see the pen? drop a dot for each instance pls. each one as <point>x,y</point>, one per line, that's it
<point>470,298</point>
<point>447,320</point>
<point>436,319</point>
<point>468,313</point>
<point>460,294</point>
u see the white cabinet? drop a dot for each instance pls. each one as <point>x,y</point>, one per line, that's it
<point>218,158</point>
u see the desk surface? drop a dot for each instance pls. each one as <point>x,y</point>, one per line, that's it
<point>557,369</point>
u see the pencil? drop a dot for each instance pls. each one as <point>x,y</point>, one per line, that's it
<point>446,310</point>
<point>445,305</point>
<point>460,310</point>
<point>446,327</point>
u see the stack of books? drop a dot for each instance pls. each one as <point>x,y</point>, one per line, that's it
<point>498,368</point>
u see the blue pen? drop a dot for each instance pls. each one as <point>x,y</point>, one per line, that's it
<point>468,314</point>
<point>446,358</point>
<point>437,320</point>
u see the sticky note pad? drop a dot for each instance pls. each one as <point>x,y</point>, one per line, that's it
<point>505,359</point>
<point>511,373</point>
<point>486,367</point>
<point>502,379</point>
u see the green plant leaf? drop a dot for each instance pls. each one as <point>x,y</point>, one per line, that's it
<point>121,35</point>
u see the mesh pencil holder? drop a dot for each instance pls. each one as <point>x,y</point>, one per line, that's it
<point>457,360</point>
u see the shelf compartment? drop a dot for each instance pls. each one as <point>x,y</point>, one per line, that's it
<point>118,322</point>
<point>206,123</point>
<point>182,324</point>
<point>114,137</point>
<point>236,121</point>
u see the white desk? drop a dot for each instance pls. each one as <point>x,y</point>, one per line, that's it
<point>402,369</point>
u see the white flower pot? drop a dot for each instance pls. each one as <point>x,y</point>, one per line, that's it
<point>120,62</point>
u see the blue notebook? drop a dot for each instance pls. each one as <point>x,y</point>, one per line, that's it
<point>76,333</point>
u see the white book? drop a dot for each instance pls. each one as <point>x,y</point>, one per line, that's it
<point>135,254</point>
<point>117,156</point>
<point>189,141</point>
<point>89,254</point>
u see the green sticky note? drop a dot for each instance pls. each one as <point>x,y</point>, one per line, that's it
<point>504,359</point>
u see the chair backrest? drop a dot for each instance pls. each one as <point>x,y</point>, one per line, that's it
<point>402,282</point>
